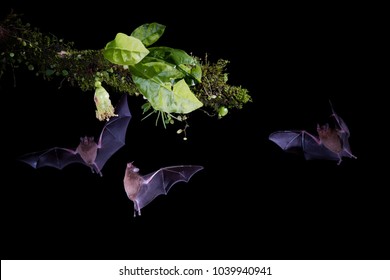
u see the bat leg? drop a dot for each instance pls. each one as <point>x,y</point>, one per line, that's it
<point>137,210</point>
<point>348,153</point>
<point>351,155</point>
<point>96,169</point>
<point>137,213</point>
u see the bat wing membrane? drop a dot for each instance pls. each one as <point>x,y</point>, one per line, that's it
<point>113,135</point>
<point>343,132</point>
<point>344,136</point>
<point>55,157</point>
<point>295,141</point>
<point>288,140</point>
<point>312,149</point>
<point>341,125</point>
<point>161,181</point>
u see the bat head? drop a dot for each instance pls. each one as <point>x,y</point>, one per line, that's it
<point>87,140</point>
<point>323,130</point>
<point>132,167</point>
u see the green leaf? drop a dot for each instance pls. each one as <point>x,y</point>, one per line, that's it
<point>175,56</point>
<point>158,70</point>
<point>164,97</point>
<point>125,50</point>
<point>195,72</point>
<point>184,100</point>
<point>186,63</point>
<point>149,33</point>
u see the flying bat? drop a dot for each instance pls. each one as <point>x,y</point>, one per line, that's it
<point>88,152</point>
<point>330,144</point>
<point>143,189</point>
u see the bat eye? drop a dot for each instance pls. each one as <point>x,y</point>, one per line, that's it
<point>135,169</point>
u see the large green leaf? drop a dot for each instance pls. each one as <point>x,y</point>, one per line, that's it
<point>175,56</point>
<point>125,50</point>
<point>167,98</point>
<point>194,72</point>
<point>157,70</point>
<point>181,59</point>
<point>184,100</point>
<point>149,33</point>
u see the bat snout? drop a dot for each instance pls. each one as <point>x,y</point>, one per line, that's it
<point>132,167</point>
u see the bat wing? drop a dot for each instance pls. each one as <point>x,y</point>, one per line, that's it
<point>341,125</point>
<point>162,180</point>
<point>343,132</point>
<point>113,135</point>
<point>288,140</point>
<point>295,141</point>
<point>55,157</point>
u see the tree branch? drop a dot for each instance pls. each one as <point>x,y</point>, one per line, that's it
<point>53,58</point>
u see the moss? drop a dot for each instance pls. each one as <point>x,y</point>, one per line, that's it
<point>214,91</point>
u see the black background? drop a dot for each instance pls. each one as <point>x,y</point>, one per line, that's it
<point>252,201</point>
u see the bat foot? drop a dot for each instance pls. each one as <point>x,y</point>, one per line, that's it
<point>137,212</point>
<point>96,169</point>
<point>349,154</point>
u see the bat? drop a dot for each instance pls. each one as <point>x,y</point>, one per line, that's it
<point>331,143</point>
<point>88,152</point>
<point>144,189</point>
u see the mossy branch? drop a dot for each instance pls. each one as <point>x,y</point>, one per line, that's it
<point>52,58</point>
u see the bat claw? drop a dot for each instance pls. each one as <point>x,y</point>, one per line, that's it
<point>137,212</point>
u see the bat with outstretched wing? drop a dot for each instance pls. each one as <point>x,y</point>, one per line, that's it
<point>144,189</point>
<point>331,144</point>
<point>88,152</point>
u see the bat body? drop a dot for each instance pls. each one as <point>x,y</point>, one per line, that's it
<point>331,143</point>
<point>144,189</point>
<point>88,152</point>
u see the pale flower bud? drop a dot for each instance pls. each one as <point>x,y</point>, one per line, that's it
<point>105,110</point>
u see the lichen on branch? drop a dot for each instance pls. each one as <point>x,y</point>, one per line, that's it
<point>52,58</point>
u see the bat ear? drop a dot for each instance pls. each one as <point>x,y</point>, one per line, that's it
<point>132,167</point>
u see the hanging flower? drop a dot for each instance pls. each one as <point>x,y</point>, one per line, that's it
<point>105,110</point>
